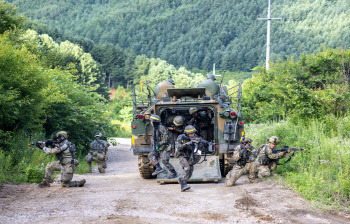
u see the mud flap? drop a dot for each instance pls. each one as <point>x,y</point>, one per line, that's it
<point>207,171</point>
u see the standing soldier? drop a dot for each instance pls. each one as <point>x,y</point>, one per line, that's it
<point>244,155</point>
<point>175,130</point>
<point>201,121</point>
<point>160,148</point>
<point>98,153</point>
<point>268,160</point>
<point>185,151</point>
<point>64,151</point>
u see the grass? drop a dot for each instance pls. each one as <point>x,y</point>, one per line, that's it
<point>321,173</point>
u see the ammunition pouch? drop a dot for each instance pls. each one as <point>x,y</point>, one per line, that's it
<point>264,160</point>
<point>100,156</point>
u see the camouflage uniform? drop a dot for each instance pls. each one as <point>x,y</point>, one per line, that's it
<point>201,122</point>
<point>243,166</point>
<point>64,164</point>
<point>98,153</point>
<point>183,153</point>
<point>163,152</point>
<point>268,161</point>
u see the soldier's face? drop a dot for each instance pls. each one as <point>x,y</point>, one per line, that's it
<point>191,135</point>
<point>272,146</point>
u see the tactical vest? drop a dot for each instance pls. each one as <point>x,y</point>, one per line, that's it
<point>97,145</point>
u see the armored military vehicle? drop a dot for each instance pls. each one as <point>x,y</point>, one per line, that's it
<point>221,105</point>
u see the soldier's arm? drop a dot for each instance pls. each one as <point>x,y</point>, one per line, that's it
<point>278,155</point>
<point>253,154</point>
<point>236,153</point>
<point>55,150</point>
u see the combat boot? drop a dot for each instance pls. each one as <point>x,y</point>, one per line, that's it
<point>158,170</point>
<point>45,183</point>
<point>184,186</point>
<point>81,183</point>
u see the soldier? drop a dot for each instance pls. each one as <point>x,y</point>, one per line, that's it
<point>98,153</point>
<point>201,121</point>
<point>64,151</point>
<point>244,155</point>
<point>211,77</point>
<point>267,160</point>
<point>175,130</point>
<point>172,82</point>
<point>160,148</point>
<point>185,145</point>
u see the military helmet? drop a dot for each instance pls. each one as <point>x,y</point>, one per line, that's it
<point>211,76</point>
<point>178,120</point>
<point>245,139</point>
<point>154,118</point>
<point>171,81</point>
<point>62,135</point>
<point>98,135</point>
<point>274,140</point>
<point>192,110</point>
<point>190,129</point>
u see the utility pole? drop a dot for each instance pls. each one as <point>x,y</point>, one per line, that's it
<point>268,35</point>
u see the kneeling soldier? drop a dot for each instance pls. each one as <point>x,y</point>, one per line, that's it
<point>160,148</point>
<point>268,160</point>
<point>98,153</point>
<point>64,151</point>
<point>244,155</point>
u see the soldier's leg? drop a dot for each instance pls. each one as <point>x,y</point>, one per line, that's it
<point>263,171</point>
<point>67,176</point>
<point>88,159</point>
<point>165,157</point>
<point>155,163</point>
<point>252,171</point>
<point>233,175</point>
<point>104,166</point>
<point>100,166</point>
<point>49,169</point>
<point>187,173</point>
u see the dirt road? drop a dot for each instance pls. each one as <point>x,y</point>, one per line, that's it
<point>121,196</point>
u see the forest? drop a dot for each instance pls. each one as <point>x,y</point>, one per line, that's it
<point>55,79</point>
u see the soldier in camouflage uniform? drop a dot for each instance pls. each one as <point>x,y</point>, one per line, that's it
<point>161,149</point>
<point>201,121</point>
<point>175,130</point>
<point>185,145</point>
<point>267,160</point>
<point>65,162</point>
<point>244,155</point>
<point>98,153</point>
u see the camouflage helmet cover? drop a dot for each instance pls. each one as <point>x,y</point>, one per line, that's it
<point>98,135</point>
<point>190,129</point>
<point>274,140</point>
<point>62,135</point>
<point>245,139</point>
<point>178,120</point>
<point>192,110</point>
<point>154,118</point>
<point>211,76</point>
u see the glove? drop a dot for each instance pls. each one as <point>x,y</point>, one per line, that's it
<point>195,140</point>
<point>39,145</point>
<point>49,142</point>
<point>154,159</point>
<point>189,143</point>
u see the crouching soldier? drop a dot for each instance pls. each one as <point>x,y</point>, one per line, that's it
<point>244,155</point>
<point>161,149</point>
<point>267,159</point>
<point>64,151</point>
<point>98,153</point>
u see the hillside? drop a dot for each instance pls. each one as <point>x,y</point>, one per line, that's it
<point>198,33</point>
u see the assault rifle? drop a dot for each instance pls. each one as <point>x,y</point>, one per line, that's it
<point>41,144</point>
<point>286,149</point>
<point>197,141</point>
